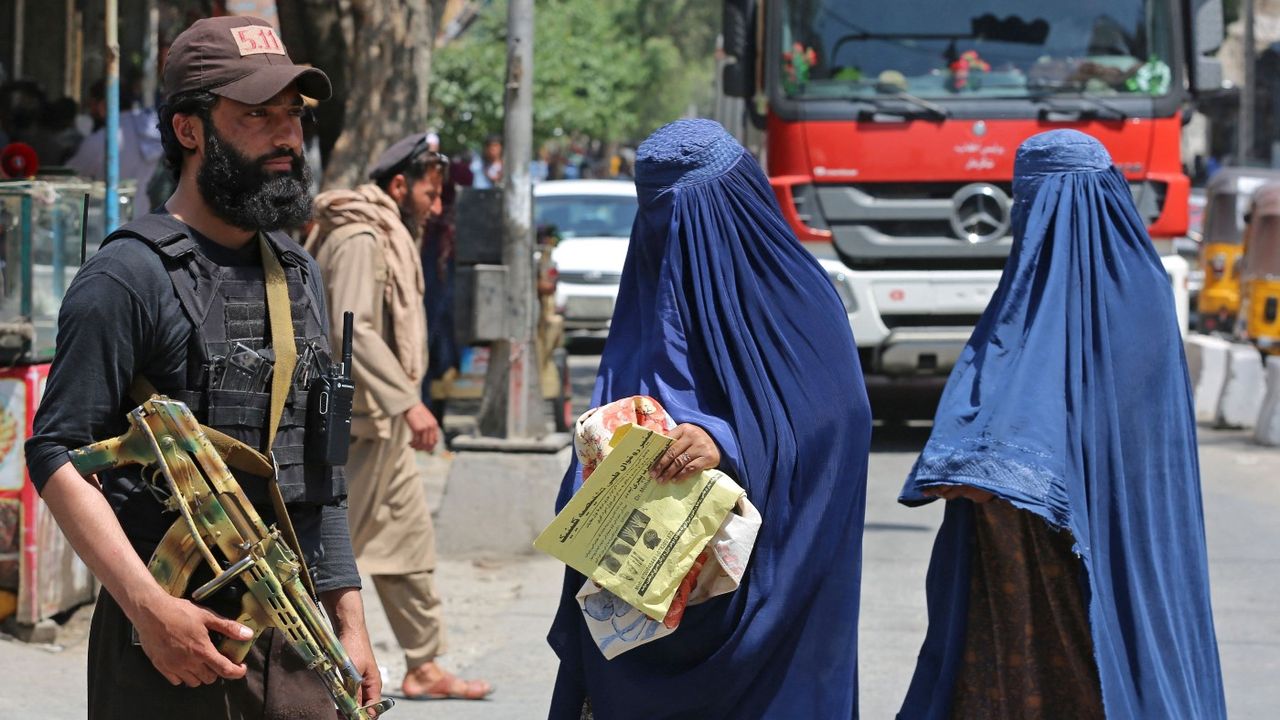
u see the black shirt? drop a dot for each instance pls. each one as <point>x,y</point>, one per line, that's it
<point>121,318</point>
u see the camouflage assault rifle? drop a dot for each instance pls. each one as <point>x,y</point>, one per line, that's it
<point>218,523</point>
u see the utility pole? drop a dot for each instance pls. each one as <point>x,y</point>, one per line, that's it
<point>495,498</point>
<point>111,198</point>
<point>513,406</point>
<point>150,61</point>
<point>19,36</point>
<point>1248,93</point>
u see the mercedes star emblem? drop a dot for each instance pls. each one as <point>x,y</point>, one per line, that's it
<point>979,213</point>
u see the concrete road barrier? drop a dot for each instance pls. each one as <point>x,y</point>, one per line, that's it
<point>1207,365</point>
<point>1267,429</point>
<point>1242,395</point>
<point>498,502</point>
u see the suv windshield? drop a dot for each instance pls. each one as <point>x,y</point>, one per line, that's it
<point>586,215</point>
<point>943,49</point>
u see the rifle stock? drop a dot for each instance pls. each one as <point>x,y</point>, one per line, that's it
<point>219,527</point>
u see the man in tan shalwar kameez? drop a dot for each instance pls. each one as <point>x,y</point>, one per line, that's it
<point>366,241</point>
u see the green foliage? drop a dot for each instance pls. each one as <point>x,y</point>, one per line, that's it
<point>609,70</point>
<point>466,84</point>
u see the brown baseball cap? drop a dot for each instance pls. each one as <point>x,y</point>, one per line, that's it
<point>241,58</point>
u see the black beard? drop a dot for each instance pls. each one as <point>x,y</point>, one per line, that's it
<point>406,219</point>
<point>243,194</point>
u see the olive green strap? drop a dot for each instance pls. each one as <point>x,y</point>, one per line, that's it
<point>282,342</point>
<point>280,318</point>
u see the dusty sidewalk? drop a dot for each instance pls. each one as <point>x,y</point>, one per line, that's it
<point>497,612</point>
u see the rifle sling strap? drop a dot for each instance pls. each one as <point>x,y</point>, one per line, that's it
<point>280,317</point>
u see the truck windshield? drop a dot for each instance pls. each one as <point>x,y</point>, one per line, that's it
<point>943,49</point>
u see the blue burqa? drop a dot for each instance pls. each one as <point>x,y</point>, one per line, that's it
<point>727,321</point>
<point>1071,401</point>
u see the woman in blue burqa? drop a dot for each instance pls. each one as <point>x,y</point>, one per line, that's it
<point>1069,578</point>
<point>730,324</point>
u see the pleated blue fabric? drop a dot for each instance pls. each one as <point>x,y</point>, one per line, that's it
<point>728,322</point>
<point>1071,401</point>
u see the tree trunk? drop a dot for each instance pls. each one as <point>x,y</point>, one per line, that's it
<point>318,32</point>
<point>387,72</point>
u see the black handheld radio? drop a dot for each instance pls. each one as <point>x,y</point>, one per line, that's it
<point>329,407</point>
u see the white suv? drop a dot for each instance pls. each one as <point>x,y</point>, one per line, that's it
<point>593,219</point>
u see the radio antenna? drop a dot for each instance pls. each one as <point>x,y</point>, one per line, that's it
<point>348,330</point>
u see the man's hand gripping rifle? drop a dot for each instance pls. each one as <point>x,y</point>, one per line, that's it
<point>219,526</point>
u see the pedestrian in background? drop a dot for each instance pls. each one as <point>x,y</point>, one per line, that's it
<point>1070,577</point>
<point>439,269</point>
<point>139,147</point>
<point>550,332</point>
<point>366,242</point>
<point>486,168</point>
<point>731,325</point>
<point>21,102</point>
<point>58,138</point>
<point>460,170</point>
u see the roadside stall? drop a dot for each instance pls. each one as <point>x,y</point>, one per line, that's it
<point>47,222</point>
<point>43,223</point>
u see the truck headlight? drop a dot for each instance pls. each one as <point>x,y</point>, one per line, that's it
<point>841,284</point>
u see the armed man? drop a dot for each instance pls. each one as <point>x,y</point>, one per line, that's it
<point>190,302</point>
<point>367,243</point>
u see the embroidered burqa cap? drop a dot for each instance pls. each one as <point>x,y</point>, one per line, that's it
<point>728,322</point>
<point>1071,402</point>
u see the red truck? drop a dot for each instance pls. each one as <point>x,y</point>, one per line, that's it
<point>891,129</point>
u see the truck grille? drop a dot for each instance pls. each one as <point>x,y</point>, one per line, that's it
<point>903,226</point>
<point>919,191</point>
<point>910,226</point>
<point>901,321</point>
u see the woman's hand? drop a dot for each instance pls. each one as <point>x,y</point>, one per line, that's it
<point>691,451</point>
<point>959,492</point>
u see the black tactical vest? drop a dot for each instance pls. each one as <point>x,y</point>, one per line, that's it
<point>228,306</point>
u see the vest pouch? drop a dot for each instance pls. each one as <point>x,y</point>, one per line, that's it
<point>241,414</point>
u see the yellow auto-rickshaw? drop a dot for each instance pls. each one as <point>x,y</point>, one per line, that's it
<point>1228,194</point>
<point>1259,319</point>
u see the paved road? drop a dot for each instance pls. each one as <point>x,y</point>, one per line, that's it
<point>498,609</point>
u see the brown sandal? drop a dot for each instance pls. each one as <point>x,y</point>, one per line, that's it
<point>452,687</point>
